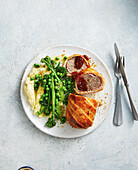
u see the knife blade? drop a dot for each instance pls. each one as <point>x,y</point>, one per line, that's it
<point>121,65</point>
<point>116,50</point>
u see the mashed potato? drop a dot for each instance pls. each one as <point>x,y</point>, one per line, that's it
<point>32,95</point>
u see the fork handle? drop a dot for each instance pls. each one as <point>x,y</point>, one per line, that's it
<point>134,112</point>
<point>118,117</point>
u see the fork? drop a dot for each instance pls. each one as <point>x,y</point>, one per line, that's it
<point>118,117</point>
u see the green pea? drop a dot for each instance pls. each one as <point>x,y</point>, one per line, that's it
<point>70,78</point>
<point>31,78</point>
<point>35,85</point>
<point>52,74</point>
<point>46,94</point>
<point>50,107</point>
<point>38,113</point>
<point>46,98</point>
<point>49,83</point>
<point>63,120</point>
<point>65,57</point>
<point>64,81</point>
<point>47,89</point>
<point>69,82</point>
<point>43,85</point>
<point>43,95</point>
<point>57,94</point>
<point>56,87</point>
<point>49,80</point>
<point>57,58</point>
<point>44,80</point>
<point>58,73</point>
<point>36,88</point>
<point>41,100</point>
<point>59,99</point>
<point>69,86</point>
<point>46,76</point>
<point>36,76</point>
<point>36,81</point>
<point>64,88</point>
<point>36,65</point>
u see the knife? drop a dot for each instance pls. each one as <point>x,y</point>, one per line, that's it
<point>134,112</point>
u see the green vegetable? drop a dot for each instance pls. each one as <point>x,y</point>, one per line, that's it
<point>61,71</point>
<point>57,58</point>
<point>46,76</point>
<point>68,86</point>
<point>52,74</point>
<point>41,100</point>
<point>65,57</point>
<point>44,80</point>
<point>57,87</point>
<point>47,89</point>
<point>57,94</point>
<point>47,110</point>
<point>31,78</point>
<point>36,65</point>
<point>38,113</point>
<point>37,82</point>
<point>51,121</point>
<point>63,120</point>
<point>46,98</point>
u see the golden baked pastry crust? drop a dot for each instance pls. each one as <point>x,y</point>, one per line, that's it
<point>81,111</point>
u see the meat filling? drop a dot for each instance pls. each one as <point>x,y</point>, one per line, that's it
<point>71,66</point>
<point>88,82</point>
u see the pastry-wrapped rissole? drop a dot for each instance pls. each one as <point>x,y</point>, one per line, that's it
<point>75,63</point>
<point>81,111</point>
<point>89,81</point>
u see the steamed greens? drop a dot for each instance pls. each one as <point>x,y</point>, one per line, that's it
<point>57,87</point>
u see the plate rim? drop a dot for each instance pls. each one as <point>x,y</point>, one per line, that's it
<point>72,46</point>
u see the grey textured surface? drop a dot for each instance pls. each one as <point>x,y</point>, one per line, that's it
<point>26,28</point>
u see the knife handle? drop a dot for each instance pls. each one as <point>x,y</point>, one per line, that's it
<point>134,112</point>
<point>118,117</point>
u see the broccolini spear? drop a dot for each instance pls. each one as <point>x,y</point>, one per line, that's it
<point>47,60</point>
<point>51,121</point>
<point>53,98</point>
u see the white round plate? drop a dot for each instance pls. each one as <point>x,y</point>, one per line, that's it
<point>65,130</point>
